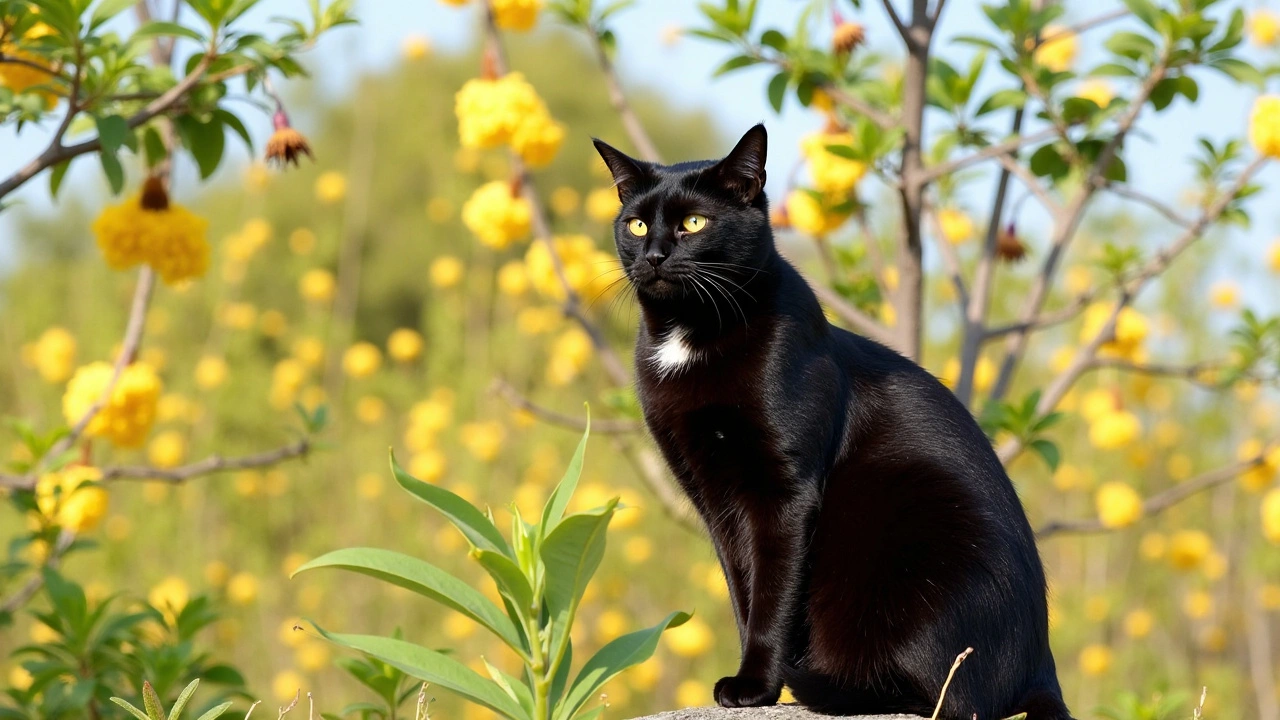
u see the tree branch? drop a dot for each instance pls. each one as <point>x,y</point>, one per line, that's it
<point>1169,213</point>
<point>1032,183</point>
<point>630,121</point>
<point>514,398</point>
<point>859,320</point>
<point>1085,25</point>
<point>989,152</point>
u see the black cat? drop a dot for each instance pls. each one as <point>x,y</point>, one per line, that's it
<point>865,526</point>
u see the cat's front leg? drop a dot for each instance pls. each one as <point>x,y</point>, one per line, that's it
<point>775,537</point>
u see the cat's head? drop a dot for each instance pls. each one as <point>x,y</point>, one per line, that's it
<point>684,228</point>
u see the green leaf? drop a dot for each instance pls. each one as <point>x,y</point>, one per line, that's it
<point>618,655</point>
<point>1048,451</point>
<point>506,574</point>
<point>130,708</point>
<point>112,169</point>
<point>514,689</point>
<point>559,500</point>
<point>433,667</point>
<point>161,28</point>
<point>778,91</point>
<point>1240,71</point>
<point>424,579</point>
<point>734,63</point>
<point>205,140</point>
<point>183,698</point>
<point>215,712</point>
<point>571,553</point>
<point>151,701</point>
<point>1047,161</point>
<point>106,10</point>
<point>1009,98</point>
<point>112,131</point>
<point>56,176</point>
<point>775,40</point>
<point>471,522</point>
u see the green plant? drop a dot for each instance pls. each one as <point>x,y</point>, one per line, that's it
<point>155,711</point>
<point>95,652</point>
<point>541,573</point>
<point>392,687</point>
<point>1130,706</point>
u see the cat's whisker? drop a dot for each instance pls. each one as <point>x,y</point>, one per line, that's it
<point>728,296</point>
<point>719,320</point>
<point>734,284</point>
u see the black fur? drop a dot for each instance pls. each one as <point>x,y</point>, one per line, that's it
<point>865,526</point>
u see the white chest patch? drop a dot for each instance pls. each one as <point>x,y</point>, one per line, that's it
<point>673,352</point>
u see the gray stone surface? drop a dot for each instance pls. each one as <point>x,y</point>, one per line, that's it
<point>772,712</point>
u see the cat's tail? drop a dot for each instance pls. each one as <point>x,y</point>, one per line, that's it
<point>1044,704</point>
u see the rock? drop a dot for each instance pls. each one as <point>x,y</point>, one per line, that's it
<point>772,712</point>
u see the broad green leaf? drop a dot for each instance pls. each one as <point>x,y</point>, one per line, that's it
<point>1048,451</point>
<point>205,140</point>
<point>433,667</point>
<point>425,579</point>
<point>571,553</point>
<point>464,516</point>
<point>559,500</point>
<point>514,689</point>
<point>777,90</point>
<point>112,130</point>
<point>130,708</point>
<point>151,701</point>
<point>112,169</point>
<point>183,699</point>
<point>618,655</point>
<point>215,712</point>
<point>734,63</point>
<point>161,28</point>
<point>1009,98</point>
<point>511,582</point>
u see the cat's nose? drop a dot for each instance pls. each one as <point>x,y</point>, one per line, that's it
<point>655,257</point>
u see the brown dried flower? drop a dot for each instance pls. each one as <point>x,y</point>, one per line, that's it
<point>848,36</point>
<point>1008,247</point>
<point>154,196</point>
<point>286,144</point>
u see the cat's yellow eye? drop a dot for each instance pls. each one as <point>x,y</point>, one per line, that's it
<point>638,228</point>
<point>694,223</point>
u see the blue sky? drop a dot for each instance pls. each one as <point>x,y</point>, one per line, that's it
<point>1157,162</point>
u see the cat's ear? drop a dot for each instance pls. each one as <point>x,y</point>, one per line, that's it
<point>627,173</point>
<point>742,170</point>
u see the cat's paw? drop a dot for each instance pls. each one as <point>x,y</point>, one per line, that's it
<point>741,691</point>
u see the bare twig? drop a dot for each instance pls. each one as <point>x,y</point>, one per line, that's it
<point>1194,372</point>
<point>860,321</point>
<point>950,674</point>
<point>1169,213</point>
<point>1085,25</point>
<point>903,30</point>
<point>1045,320</point>
<point>1032,183</point>
<point>285,710</point>
<point>989,152</point>
<point>630,121</point>
<point>252,708</point>
<point>1159,502</point>
<point>513,397</point>
<point>843,97</point>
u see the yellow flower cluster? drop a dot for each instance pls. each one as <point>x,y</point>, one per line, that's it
<point>69,500</point>
<point>570,353</point>
<point>167,449</point>
<point>832,174</point>
<point>20,77</point>
<point>287,378</point>
<point>956,225</point>
<point>1119,505</point>
<point>404,345</point>
<point>1264,27</point>
<point>1188,549</point>
<point>362,360</point>
<point>170,596</point>
<point>515,14</point>
<point>984,374</point>
<point>445,271</point>
<point>317,286</point>
<point>507,111</point>
<point>1130,331</point>
<point>1264,126</point>
<point>172,241</point>
<point>483,439</point>
<point>128,414</point>
<point>53,354</point>
<point>1260,476</point>
<point>497,215</point>
<point>588,270</point>
<point>1271,516</point>
<point>331,187</point>
<point>811,214</point>
<point>1059,53</point>
<point>1095,660</point>
<point>1097,90</point>
<point>603,204</point>
<point>426,419</point>
<point>1115,430</point>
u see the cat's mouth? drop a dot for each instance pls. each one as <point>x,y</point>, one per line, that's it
<point>656,282</point>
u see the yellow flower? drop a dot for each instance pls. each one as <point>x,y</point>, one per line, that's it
<point>309,351</point>
<point>1264,27</point>
<point>1131,329</point>
<point>515,14</point>
<point>603,204</point>
<point>302,241</point>
<point>53,354</point>
<point>1139,623</point>
<point>1271,516</point>
<point>570,353</point>
<point>1198,604</point>
<point>287,378</point>
<point>1097,90</point>
<point>170,239</point>
<point>242,589</point>
<point>1095,660</point>
<point>538,320</point>
<point>127,416</point>
<point>809,214</point>
<point>637,550</point>
<point>564,200</point>
<point>1260,476</point>
<point>19,678</point>
<point>1115,430</point>
<point>1264,126</point>
<point>170,596</point>
<point>692,693</point>
<point>238,315</point>
<point>587,269</point>
<point>490,111</point>
<point>1224,295</point>
<point>317,286</point>
<point>445,271</point>
<point>331,187</point>
<point>496,215</point>
<point>44,635</point>
<point>428,465</point>
<point>31,72</point>
<point>312,655</point>
<point>369,486</point>
<point>168,449</point>
<point>984,374</point>
<point>691,639</point>
<point>362,359</point>
<point>415,47</point>
<point>1059,54</point>
<point>370,409</point>
<point>513,281</point>
<point>1188,549</point>
<point>538,139</point>
<point>1269,597</point>
<point>217,573</point>
<point>956,225</point>
<point>404,345</point>
<point>65,498</point>
<point>286,685</point>
<point>1119,505</point>
<point>1273,257</point>
<point>1097,608</point>
<point>832,174</point>
<point>482,439</point>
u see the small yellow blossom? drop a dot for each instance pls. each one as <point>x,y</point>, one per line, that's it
<point>331,187</point>
<point>429,465</point>
<point>538,139</point>
<point>1225,295</point>
<point>171,239</point>
<point>1115,430</point>
<point>20,679</point>
<point>167,449</point>
<point>564,201</point>
<point>32,74</point>
<point>242,589</point>
<point>496,215</point>
<point>302,241</point>
<point>491,111</point>
<point>1131,329</point>
<point>603,204</point>
<point>445,271</point>
<point>170,596</point>
<point>1264,126</point>
<point>570,353</point>
<point>1189,548</point>
<point>1264,27</point>
<point>1273,257</point>
<point>217,573</point>
<point>317,286</point>
<point>832,174</point>
<point>515,14</point>
<point>811,215</point>
<point>1095,660</point>
<point>1271,516</point>
<point>127,416</point>
<point>53,354</point>
<point>482,439</point>
<point>956,225</point>
<point>1198,604</point>
<point>404,345</point>
<point>637,550</point>
<point>370,409</point>
<point>369,486</point>
<point>66,498</point>
<point>1119,505</point>
<point>1097,90</point>
<point>1139,623</point>
<point>286,685</point>
<point>692,639</point>
<point>513,280</point>
<point>362,360</point>
<point>1059,53</point>
<point>309,351</point>
<point>692,693</point>
<point>415,47</point>
<point>312,655</point>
